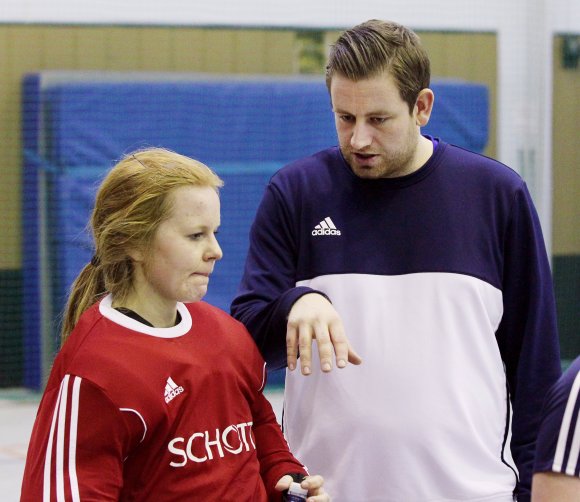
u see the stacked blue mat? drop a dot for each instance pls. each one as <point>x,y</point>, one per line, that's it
<point>245,129</point>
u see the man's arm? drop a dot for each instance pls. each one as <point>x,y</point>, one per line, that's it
<point>553,486</point>
<point>284,319</point>
<point>527,336</point>
<point>267,290</point>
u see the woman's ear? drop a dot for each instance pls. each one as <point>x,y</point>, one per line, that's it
<point>136,255</point>
<point>424,106</point>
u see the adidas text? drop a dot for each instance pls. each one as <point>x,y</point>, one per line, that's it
<point>175,392</point>
<point>325,231</point>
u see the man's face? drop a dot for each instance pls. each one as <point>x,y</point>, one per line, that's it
<point>378,136</point>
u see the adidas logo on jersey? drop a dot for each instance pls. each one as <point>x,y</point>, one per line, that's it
<point>172,390</point>
<point>326,227</point>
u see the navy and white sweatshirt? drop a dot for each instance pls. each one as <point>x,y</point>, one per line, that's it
<point>443,284</point>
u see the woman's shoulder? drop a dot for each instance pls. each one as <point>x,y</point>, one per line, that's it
<point>206,312</point>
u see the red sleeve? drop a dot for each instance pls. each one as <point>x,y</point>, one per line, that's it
<point>77,447</point>
<point>271,446</point>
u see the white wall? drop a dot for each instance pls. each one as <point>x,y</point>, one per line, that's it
<point>525,31</point>
<point>420,14</point>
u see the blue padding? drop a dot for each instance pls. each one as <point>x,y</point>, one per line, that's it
<point>239,201</point>
<point>460,114</point>
<point>31,307</point>
<point>249,121</point>
<point>72,200</point>
<point>211,121</point>
<point>244,129</point>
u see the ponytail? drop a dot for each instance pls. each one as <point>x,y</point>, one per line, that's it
<point>88,287</point>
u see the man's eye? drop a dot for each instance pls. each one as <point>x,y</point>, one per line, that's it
<point>378,120</point>
<point>346,118</point>
<point>196,236</point>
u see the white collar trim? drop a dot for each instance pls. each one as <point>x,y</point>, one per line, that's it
<point>180,329</point>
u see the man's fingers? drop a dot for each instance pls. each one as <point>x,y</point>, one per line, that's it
<point>305,348</point>
<point>353,357</point>
<point>325,348</point>
<point>291,347</point>
<point>344,353</point>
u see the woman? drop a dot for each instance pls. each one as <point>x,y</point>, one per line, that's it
<point>155,395</point>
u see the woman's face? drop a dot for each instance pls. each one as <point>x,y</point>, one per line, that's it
<point>184,249</point>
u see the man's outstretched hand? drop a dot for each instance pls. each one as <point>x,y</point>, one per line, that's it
<point>313,317</point>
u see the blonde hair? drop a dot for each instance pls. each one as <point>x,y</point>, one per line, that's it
<point>130,204</point>
<point>377,46</point>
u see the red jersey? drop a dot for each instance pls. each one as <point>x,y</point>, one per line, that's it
<point>132,412</point>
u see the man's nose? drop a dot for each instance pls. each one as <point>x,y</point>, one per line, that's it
<point>361,136</point>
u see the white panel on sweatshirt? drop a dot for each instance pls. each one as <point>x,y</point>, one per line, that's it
<point>430,396</point>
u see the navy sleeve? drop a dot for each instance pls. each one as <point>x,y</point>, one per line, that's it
<point>268,287</point>
<point>527,335</point>
<point>556,450</point>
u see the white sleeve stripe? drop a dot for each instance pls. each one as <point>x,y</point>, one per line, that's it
<point>565,430</point>
<point>72,454</point>
<point>575,446</point>
<point>574,451</point>
<point>263,379</point>
<point>60,440</point>
<point>48,456</point>
<point>142,420</point>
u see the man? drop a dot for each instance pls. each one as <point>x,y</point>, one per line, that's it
<point>431,259</point>
<point>557,462</point>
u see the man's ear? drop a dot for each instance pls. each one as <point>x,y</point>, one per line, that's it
<point>424,106</point>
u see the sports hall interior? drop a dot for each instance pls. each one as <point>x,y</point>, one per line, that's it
<point>256,48</point>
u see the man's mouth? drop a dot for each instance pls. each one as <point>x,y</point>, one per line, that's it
<point>363,156</point>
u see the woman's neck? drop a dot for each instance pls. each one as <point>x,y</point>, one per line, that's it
<point>159,314</point>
